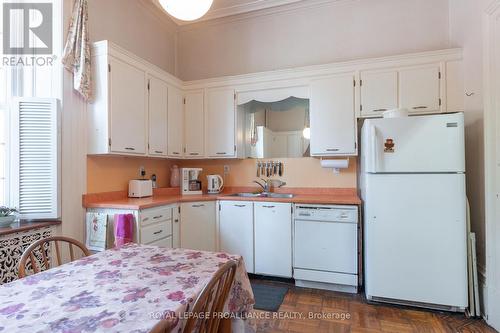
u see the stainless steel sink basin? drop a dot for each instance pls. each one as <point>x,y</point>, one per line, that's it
<point>246,195</point>
<point>263,195</point>
<point>280,195</point>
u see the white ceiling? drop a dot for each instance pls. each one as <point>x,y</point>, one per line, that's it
<point>224,8</point>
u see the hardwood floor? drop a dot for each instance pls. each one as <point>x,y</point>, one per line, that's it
<point>351,313</point>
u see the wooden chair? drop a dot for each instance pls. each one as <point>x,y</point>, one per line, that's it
<point>211,300</point>
<point>43,247</point>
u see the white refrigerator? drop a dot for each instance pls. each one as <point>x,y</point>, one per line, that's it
<point>413,189</point>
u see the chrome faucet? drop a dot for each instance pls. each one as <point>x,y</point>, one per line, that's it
<point>266,186</point>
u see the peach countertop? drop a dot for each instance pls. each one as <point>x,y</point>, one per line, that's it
<point>166,196</point>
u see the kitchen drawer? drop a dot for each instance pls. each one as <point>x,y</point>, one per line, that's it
<point>154,215</point>
<point>154,232</point>
<point>164,242</point>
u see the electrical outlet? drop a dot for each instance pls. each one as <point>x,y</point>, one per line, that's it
<point>226,170</point>
<point>142,171</point>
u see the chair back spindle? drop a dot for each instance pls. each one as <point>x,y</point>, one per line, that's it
<point>42,248</point>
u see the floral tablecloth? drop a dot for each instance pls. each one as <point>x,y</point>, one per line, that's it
<point>128,289</point>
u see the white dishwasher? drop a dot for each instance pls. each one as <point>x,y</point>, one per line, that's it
<point>326,247</point>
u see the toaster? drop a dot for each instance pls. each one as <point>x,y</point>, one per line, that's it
<point>139,188</point>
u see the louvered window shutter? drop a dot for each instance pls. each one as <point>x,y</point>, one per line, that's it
<point>35,158</point>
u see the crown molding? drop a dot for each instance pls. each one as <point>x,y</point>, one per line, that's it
<point>243,12</point>
<point>251,6</point>
<point>299,73</point>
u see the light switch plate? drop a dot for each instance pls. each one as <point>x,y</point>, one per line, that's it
<point>226,170</point>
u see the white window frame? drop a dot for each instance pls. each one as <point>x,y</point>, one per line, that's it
<point>7,168</point>
<point>15,87</point>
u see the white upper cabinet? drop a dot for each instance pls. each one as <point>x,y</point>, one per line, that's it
<point>419,88</point>
<point>194,124</point>
<point>332,116</point>
<point>455,86</point>
<point>128,106</point>
<point>128,114</point>
<point>158,116</point>
<point>199,119</point>
<point>220,131</point>
<point>175,122</point>
<point>379,91</point>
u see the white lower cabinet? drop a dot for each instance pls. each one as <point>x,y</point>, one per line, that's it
<point>155,226</point>
<point>176,227</point>
<point>273,238</point>
<point>236,230</point>
<point>198,231</point>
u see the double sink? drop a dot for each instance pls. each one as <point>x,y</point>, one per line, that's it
<point>263,195</point>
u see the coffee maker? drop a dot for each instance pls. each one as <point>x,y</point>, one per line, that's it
<point>190,184</point>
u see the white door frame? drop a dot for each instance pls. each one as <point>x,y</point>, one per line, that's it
<point>492,149</point>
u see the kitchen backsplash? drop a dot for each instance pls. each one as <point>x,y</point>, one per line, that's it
<point>112,173</point>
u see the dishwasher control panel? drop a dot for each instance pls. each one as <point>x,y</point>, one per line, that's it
<point>327,213</point>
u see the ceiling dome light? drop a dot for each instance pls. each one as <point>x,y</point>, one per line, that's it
<point>186,10</point>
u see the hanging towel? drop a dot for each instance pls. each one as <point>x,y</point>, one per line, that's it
<point>76,56</point>
<point>97,226</point>
<point>124,229</point>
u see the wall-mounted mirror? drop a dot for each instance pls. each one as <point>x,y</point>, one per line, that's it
<point>276,129</point>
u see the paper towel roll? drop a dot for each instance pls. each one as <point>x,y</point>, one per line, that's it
<point>335,164</point>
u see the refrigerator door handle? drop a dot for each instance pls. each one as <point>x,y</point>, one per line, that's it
<point>374,149</point>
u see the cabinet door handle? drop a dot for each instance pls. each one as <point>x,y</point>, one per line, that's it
<point>176,220</point>
<point>332,149</point>
<point>220,153</point>
<point>145,219</point>
<point>419,107</point>
<point>157,232</point>
<point>268,206</point>
<point>157,217</point>
<point>158,152</point>
<point>129,148</point>
<point>379,110</point>
<point>175,153</point>
<point>197,206</point>
<point>240,206</point>
<point>194,154</point>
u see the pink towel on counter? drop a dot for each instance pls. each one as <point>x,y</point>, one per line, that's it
<point>124,229</point>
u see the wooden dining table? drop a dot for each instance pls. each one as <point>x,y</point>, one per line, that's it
<point>128,290</point>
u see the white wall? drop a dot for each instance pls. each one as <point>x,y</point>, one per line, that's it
<point>131,25</point>
<point>73,163</point>
<point>332,32</point>
<point>466,32</point>
<point>128,24</point>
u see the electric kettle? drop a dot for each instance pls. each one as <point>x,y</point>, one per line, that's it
<point>215,184</point>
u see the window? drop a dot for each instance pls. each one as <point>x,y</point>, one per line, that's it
<point>29,132</point>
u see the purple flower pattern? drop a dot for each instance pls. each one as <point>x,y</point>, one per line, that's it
<point>119,290</point>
